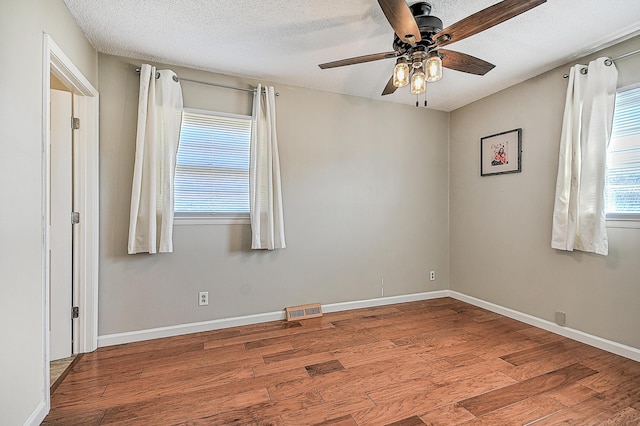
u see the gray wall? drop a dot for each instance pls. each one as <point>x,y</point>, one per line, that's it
<point>501,225</point>
<point>22,23</point>
<point>365,187</point>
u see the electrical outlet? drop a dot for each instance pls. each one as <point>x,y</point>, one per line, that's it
<point>203,298</point>
<point>432,275</point>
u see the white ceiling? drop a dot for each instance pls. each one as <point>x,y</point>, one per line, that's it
<point>284,41</point>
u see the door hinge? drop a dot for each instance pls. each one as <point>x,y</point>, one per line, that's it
<point>75,312</point>
<point>75,123</point>
<point>75,218</point>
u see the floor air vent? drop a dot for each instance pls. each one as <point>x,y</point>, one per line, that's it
<point>295,313</point>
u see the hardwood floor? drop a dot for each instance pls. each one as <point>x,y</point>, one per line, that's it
<point>434,362</point>
<point>59,369</point>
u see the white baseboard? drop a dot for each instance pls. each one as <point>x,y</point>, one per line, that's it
<point>180,329</point>
<point>369,303</point>
<point>580,336</point>
<point>38,415</point>
<point>176,330</point>
<point>196,327</point>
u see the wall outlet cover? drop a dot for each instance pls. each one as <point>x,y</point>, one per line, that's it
<point>203,298</point>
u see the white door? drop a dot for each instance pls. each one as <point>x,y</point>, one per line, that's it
<point>61,228</point>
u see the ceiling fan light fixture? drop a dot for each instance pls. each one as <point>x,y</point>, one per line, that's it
<point>419,35</point>
<point>401,73</point>
<point>418,81</point>
<point>433,66</point>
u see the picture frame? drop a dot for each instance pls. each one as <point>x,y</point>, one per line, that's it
<point>501,153</point>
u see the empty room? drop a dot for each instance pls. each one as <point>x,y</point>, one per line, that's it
<point>320,213</point>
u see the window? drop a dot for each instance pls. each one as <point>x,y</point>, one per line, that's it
<point>212,166</point>
<point>623,158</point>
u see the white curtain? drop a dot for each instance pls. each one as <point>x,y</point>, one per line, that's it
<point>159,119</point>
<point>267,222</point>
<point>579,211</point>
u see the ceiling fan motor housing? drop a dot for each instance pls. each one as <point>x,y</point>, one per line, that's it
<point>427,24</point>
<point>421,8</point>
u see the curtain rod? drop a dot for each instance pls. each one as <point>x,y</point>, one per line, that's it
<point>242,89</point>
<point>611,60</point>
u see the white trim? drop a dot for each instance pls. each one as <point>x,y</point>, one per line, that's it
<point>46,199</point>
<point>196,327</point>
<point>38,415</point>
<point>580,336</point>
<point>160,332</point>
<point>62,67</point>
<point>209,220</point>
<point>626,223</point>
<point>217,113</point>
<point>57,63</point>
<point>88,228</point>
<point>369,303</point>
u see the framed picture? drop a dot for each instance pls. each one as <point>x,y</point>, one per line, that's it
<point>501,153</point>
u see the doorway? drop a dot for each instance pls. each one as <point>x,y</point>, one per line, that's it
<point>83,246</point>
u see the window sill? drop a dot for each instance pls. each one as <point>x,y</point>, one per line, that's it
<point>630,221</point>
<point>211,220</point>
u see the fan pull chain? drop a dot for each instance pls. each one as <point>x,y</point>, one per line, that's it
<point>417,103</point>
<point>425,95</point>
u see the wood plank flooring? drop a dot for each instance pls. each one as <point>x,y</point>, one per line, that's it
<point>434,362</point>
<point>59,369</point>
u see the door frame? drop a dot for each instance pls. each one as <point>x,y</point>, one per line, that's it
<point>86,202</point>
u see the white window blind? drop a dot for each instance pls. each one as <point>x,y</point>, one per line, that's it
<point>623,157</point>
<point>212,165</point>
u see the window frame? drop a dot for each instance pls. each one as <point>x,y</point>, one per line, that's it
<point>212,218</point>
<point>616,219</point>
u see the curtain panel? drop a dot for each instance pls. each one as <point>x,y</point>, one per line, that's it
<point>265,192</point>
<point>158,133</point>
<point>579,221</point>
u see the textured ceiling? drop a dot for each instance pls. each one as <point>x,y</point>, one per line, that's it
<point>284,41</point>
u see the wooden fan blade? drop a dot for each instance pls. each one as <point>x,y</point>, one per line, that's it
<point>464,63</point>
<point>389,88</point>
<point>486,18</point>
<point>401,19</point>
<point>359,60</point>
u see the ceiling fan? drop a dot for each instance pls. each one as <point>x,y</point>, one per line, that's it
<point>419,38</point>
